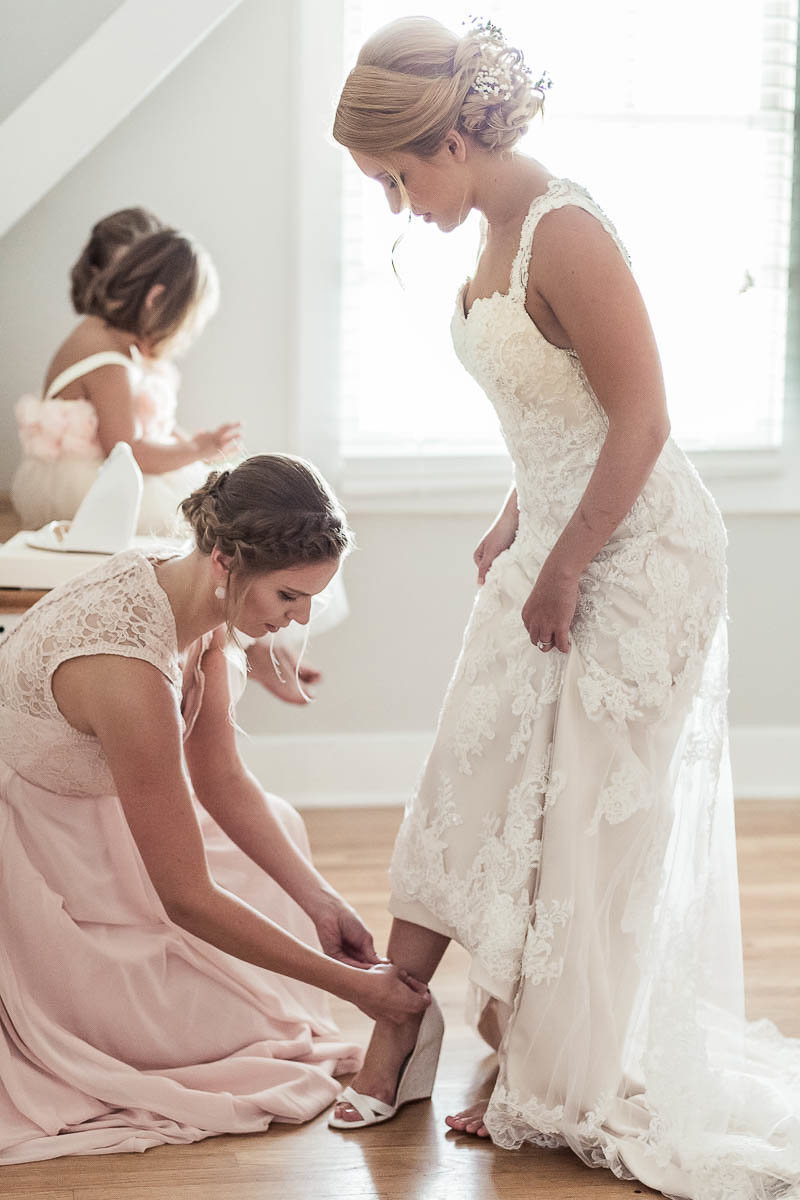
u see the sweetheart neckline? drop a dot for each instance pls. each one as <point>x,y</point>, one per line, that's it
<point>465,313</point>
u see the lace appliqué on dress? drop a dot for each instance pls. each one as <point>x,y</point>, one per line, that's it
<point>489,906</point>
<point>538,964</point>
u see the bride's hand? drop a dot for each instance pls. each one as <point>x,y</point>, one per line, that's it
<point>389,993</point>
<point>342,934</point>
<point>497,539</point>
<point>549,611</point>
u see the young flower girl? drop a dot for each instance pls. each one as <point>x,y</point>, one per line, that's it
<point>143,292</point>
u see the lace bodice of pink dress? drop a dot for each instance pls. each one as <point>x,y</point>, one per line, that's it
<point>119,1030</point>
<point>116,609</point>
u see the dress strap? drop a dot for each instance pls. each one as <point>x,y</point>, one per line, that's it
<point>560,193</point>
<point>84,366</point>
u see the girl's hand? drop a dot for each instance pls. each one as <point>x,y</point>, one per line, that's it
<point>494,542</point>
<point>550,608</point>
<point>342,934</point>
<point>221,442</point>
<point>390,993</point>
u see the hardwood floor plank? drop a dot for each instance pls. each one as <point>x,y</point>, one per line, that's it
<point>109,1169</point>
<point>35,1193</point>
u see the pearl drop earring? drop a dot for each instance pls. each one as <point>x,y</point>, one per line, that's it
<point>220,593</point>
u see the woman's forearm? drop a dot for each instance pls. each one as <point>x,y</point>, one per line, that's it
<point>623,467</point>
<point>241,809</point>
<point>223,920</point>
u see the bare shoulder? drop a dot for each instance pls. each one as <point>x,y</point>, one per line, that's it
<point>94,690</point>
<point>90,336</point>
<point>578,267</point>
<point>571,235</point>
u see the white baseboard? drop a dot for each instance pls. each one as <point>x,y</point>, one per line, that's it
<point>362,770</point>
<point>766,762</point>
<point>330,770</point>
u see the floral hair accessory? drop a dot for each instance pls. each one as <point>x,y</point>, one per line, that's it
<point>543,83</point>
<point>486,29</point>
<point>492,81</point>
<point>501,68</point>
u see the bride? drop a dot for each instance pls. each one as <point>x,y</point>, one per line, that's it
<point>574,825</point>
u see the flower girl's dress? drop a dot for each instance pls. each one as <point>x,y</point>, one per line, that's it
<point>62,453</point>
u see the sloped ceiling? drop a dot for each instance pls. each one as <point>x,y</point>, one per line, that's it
<point>92,90</point>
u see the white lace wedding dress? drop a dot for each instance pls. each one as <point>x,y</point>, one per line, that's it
<point>574,824</point>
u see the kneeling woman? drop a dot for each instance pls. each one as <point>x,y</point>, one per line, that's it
<point>160,960</point>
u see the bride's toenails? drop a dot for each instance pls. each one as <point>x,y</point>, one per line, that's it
<point>470,1121</point>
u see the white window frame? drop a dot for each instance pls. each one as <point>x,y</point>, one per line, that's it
<point>742,482</point>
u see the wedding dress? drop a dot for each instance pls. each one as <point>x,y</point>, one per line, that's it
<point>118,1029</point>
<point>573,828</point>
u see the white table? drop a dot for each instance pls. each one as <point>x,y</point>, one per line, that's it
<point>27,574</point>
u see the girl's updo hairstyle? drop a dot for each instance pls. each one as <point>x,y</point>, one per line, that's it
<point>108,239</point>
<point>415,79</point>
<point>117,292</point>
<point>271,512</point>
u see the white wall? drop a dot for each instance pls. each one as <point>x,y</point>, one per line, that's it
<point>211,150</point>
<point>35,38</point>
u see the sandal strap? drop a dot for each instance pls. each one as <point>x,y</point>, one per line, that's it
<point>368,1106</point>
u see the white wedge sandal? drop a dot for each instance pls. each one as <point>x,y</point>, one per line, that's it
<point>415,1081</point>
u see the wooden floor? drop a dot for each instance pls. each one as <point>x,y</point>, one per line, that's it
<point>413,1157</point>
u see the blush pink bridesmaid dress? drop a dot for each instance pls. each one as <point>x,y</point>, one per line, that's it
<point>118,1029</point>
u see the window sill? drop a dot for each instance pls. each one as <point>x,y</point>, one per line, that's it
<point>742,482</point>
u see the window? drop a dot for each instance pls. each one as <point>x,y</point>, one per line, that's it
<point>679,120</point>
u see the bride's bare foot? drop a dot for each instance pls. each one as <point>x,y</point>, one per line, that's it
<point>389,1047</point>
<point>470,1120</point>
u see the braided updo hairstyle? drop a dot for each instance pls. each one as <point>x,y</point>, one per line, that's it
<point>415,79</point>
<point>271,512</point>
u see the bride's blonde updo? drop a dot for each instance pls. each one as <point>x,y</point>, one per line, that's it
<point>271,512</point>
<point>415,79</point>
